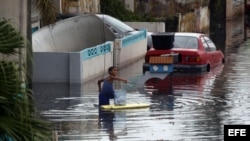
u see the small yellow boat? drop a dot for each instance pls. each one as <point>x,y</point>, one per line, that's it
<point>127,106</point>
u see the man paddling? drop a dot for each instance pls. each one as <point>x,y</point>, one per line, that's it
<point>106,92</point>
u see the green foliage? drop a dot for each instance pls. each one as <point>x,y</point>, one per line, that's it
<point>117,9</point>
<point>18,121</point>
<point>9,38</point>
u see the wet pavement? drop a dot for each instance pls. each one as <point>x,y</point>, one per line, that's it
<point>194,107</point>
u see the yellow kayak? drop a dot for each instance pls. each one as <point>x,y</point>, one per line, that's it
<point>127,106</point>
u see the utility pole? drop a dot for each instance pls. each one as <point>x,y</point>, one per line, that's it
<point>245,20</point>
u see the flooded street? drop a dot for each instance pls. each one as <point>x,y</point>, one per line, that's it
<point>190,107</point>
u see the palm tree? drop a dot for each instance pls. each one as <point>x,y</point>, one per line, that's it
<point>47,11</point>
<point>18,118</point>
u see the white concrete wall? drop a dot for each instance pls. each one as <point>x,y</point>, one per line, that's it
<point>204,19</point>
<point>76,50</point>
<point>198,21</point>
<point>72,67</point>
<point>73,34</point>
<point>150,26</point>
<point>130,48</point>
<point>96,64</point>
<point>90,63</point>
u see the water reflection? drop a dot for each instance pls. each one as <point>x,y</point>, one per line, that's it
<point>163,102</point>
<point>47,93</point>
<point>113,122</point>
<point>106,119</point>
<point>178,82</point>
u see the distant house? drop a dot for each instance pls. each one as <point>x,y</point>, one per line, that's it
<point>163,8</point>
<point>66,6</point>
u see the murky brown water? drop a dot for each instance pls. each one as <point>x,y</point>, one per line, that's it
<point>194,107</point>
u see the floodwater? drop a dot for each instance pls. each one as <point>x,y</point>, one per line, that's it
<point>193,107</point>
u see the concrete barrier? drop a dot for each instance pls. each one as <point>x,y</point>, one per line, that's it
<point>89,63</point>
<point>73,67</point>
<point>150,26</point>
<point>76,50</point>
<point>96,61</point>
<point>71,35</point>
<point>130,48</point>
<point>50,67</point>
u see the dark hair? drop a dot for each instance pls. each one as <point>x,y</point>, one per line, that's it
<point>110,69</point>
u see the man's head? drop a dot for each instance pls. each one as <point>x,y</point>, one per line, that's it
<point>112,70</point>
